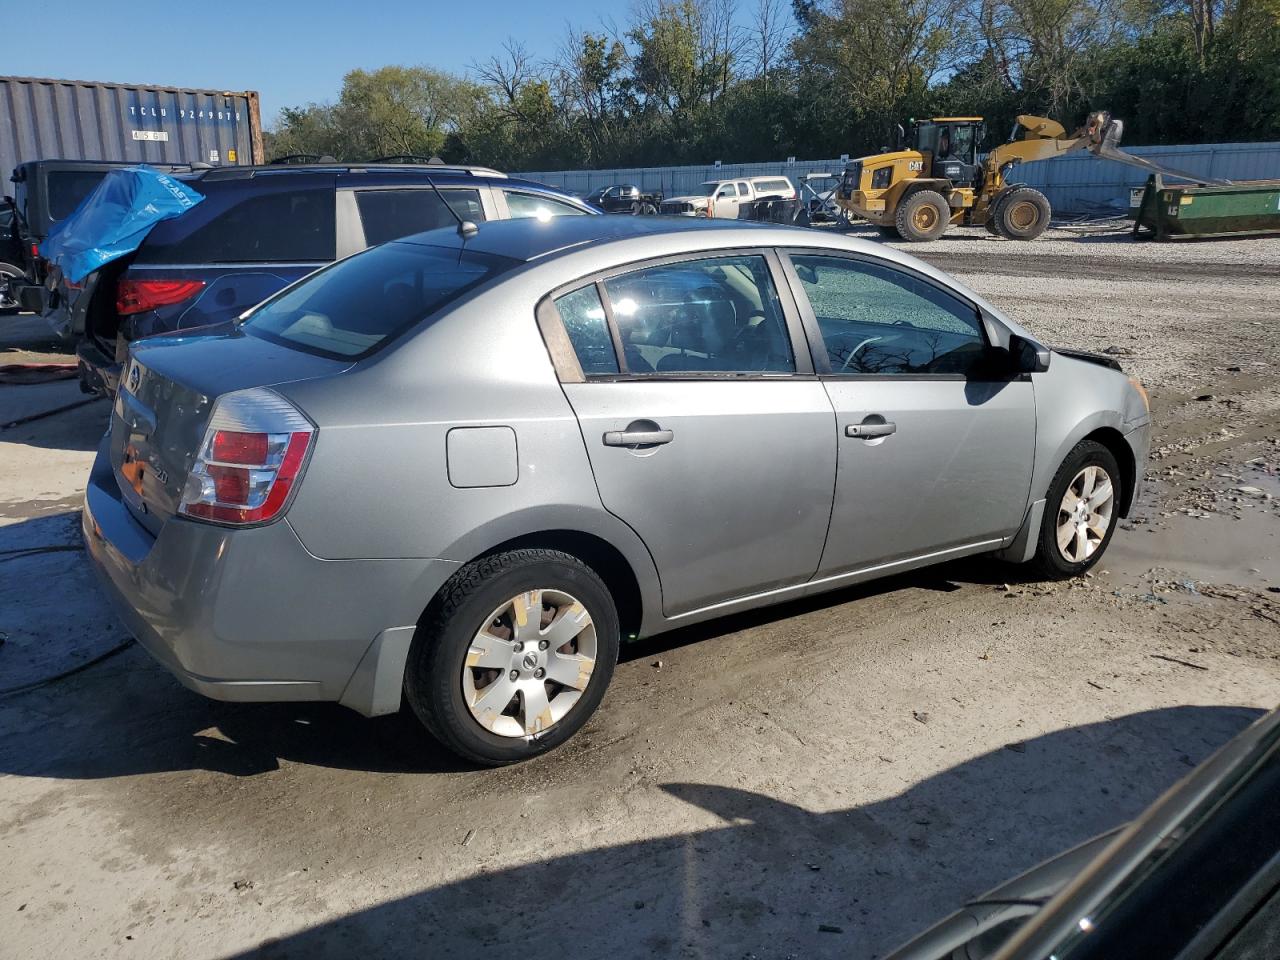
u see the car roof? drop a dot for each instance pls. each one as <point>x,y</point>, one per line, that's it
<point>532,239</point>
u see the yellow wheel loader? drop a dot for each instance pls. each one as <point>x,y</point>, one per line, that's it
<point>938,179</point>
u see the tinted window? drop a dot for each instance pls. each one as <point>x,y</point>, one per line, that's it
<point>584,321</point>
<point>743,190</point>
<point>878,320</point>
<point>67,188</point>
<point>719,315</point>
<point>390,214</point>
<point>349,309</point>
<point>282,226</point>
<point>522,205</point>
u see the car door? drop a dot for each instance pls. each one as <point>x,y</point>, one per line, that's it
<point>725,202</point>
<point>706,429</point>
<point>935,455</point>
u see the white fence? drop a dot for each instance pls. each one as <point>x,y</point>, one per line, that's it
<point>1078,183</point>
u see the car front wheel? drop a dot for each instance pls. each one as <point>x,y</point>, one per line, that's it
<point>514,656</point>
<point>1080,512</point>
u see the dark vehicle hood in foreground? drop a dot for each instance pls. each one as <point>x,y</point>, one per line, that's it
<point>1078,899</point>
<point>165,398</point>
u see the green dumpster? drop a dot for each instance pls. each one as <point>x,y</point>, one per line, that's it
<point>1175,212</point>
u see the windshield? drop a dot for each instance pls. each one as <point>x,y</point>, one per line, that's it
<point>707,189</point>
<point>352,308</point>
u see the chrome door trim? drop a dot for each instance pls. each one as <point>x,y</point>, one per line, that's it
<point>842,579</point>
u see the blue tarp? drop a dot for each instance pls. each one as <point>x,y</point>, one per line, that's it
<point>114,220</point>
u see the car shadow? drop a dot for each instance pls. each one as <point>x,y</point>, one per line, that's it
<point>772,879</point>
<point>133,717</point>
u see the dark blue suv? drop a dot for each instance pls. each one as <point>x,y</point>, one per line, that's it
<point>261,228</point>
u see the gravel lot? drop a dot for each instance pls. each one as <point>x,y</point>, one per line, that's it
<point>860,762</point>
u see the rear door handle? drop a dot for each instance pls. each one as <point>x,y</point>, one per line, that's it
<point>637,438</point>
<point>868,431</point>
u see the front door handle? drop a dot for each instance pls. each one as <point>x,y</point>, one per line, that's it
<point>637,438</point>
<point>869,431</point>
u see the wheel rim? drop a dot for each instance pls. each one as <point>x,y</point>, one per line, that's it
<point>1022,215</point>
<point>530,663</point>
<point>924,218</point>
<point>1084,516</point>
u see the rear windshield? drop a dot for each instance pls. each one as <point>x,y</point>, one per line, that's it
<point>350,309</point>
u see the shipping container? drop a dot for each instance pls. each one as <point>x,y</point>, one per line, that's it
<point>78,120</point>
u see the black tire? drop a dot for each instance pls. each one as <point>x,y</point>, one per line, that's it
<point>649,210</point>
<point>1023,214</point>
<point>1049,559</point>
<point>8,305</point>
<point>433,673</point>
<point>924,215</point>
<point>993,216</point>
<point>636,208</point>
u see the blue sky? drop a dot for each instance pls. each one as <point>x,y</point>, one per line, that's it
<point>291,51</point>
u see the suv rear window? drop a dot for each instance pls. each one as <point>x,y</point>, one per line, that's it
<point>283,226</point>
<point>350,309</point>
<point>391,214</point>
<point>67,188</point>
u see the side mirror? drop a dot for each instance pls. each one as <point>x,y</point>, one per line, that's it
<point>1027,356</point>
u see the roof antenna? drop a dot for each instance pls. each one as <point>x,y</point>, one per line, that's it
<point>466,228</point>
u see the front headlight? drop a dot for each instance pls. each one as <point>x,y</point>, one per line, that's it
<point>1142,392</point>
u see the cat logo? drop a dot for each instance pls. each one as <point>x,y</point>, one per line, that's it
<point>915,166</point>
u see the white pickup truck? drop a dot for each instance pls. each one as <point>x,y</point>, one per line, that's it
<point>723,198</point>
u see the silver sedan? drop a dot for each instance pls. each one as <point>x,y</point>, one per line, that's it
<point>463,467</point>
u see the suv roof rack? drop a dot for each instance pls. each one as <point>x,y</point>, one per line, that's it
<point>290,158</point>
<point>327,166</point>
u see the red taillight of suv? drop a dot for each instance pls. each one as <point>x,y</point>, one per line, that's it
<point>252,456</point>
<point>138,296</point>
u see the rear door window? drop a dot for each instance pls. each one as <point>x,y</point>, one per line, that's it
<point>353,307</point>
<point>718,315</point>
<point>583,317</point>
<point>521,205</point>
<point>284,226</point>
<point>391,214</point>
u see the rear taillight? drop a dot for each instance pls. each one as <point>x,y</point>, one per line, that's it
<point>138,296</point>
<point>251,458</point>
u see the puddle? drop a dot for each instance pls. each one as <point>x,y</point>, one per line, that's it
<point>1216,548</point>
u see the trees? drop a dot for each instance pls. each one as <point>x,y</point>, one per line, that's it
<point>697,80</point>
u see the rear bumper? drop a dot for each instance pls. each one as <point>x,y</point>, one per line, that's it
<point>248,614</point>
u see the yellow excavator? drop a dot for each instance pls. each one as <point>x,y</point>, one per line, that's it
<point>937,180</point>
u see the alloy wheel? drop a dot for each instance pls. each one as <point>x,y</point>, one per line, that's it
<point>530,663</point>
<point>1085,514</point>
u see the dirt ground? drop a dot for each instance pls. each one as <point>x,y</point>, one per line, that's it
<point>820,779</point>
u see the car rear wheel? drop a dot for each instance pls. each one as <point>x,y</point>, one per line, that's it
<point>923,216</point>
<point>514,655</point>
<point>1080,512</point>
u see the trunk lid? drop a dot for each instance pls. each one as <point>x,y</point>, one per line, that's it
<point>166,396</point>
